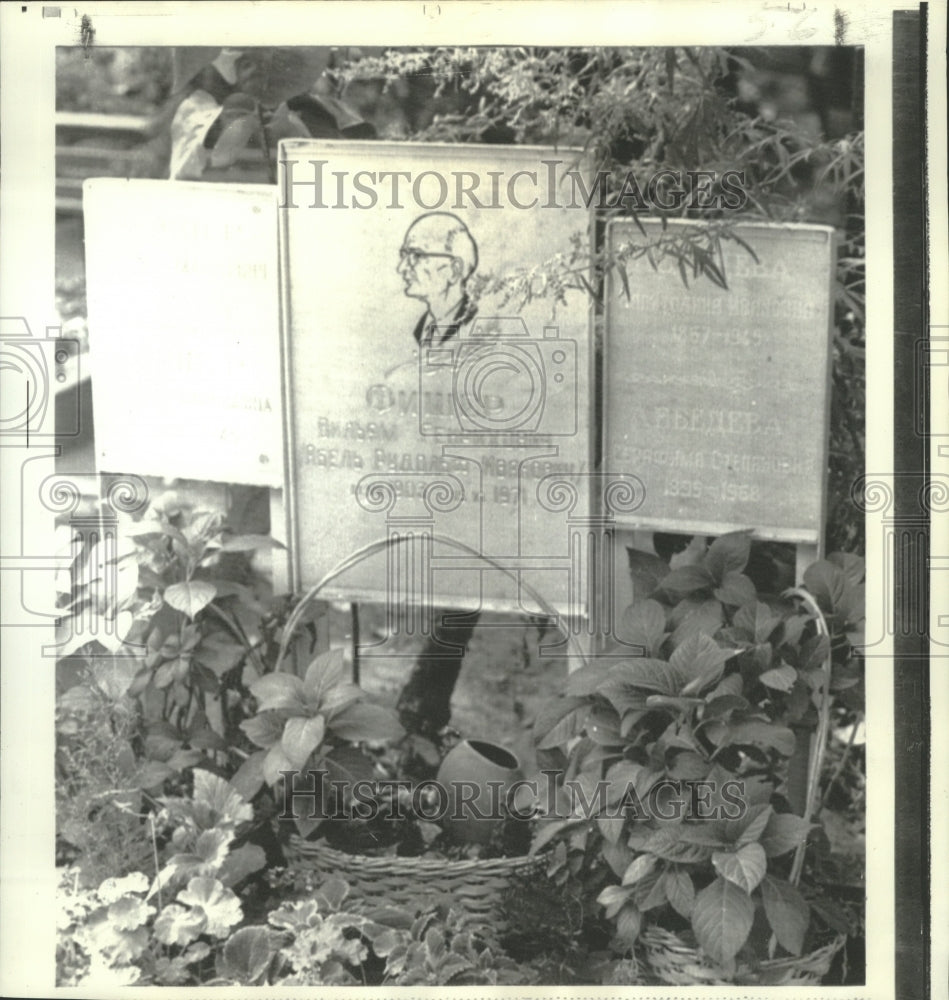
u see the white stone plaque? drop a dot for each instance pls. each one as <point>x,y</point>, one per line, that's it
<point>428,397</point>
<point>184,330</point>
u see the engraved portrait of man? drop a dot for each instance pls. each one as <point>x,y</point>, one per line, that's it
<point>437,257</point>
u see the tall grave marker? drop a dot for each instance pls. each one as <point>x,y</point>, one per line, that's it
<point>184,329</point>
<point>718,399</point>
<point>427,403</point>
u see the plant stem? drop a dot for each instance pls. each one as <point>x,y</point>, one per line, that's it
<point>151,827</point>
<point>838,770</point>
<point>271,167</point>
<point>819,745</point>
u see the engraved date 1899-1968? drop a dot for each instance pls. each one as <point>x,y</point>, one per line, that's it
<point>693,489</point>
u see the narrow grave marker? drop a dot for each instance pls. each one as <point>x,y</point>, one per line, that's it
<point>183,300</point>
<point>718,400</point>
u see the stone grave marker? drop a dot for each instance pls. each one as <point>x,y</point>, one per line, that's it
<point>427,403</point>
<point>183,303</point>
<point>718,399</point>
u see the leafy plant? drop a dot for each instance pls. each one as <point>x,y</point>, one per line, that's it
<point>439,951</point>
<point>637,112</point>
<point>680,757</point>
<point>300,722</point>
<point>128,930</point>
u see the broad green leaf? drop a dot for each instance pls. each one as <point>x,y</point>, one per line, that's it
<point>331,894</point>
<point>264,729</point>
<point>250,775</point>
<point>687,580</point>
<point>753,824</point>
<point>219,653</point>
<point>779,678</point>
<point>644,624</point>
<point>584,682</point>
<point>672,704</point>
<point>280,691</point>
<point>651,892</point>
<point>178,925</point>
<point>548,829</point>
<point>692,555</point>
<point>241,862</point>
<point>730,685</point>
<point>646,673</point>
<point>688,766</point>
<point>757,620</point>
<point>621,775</point>
<point>220,799</point>
<point>787,912</point>
<point>668,844</point>
<point>611,827</point>
<point>348,763</point>
<point>365,722</point>
<point>182,759</point>
<point>221,908</point>
<point>613,898</point>
<point>339,697</point>
<point>745,867</point>
<point>814,652</point>
<point>205,738</point>
<point>723,706</point>
<point>827,583</point>
<point>639,868</point>
<point>567,726</point>
<point>275,763</point>
<point>211,847</point>
<point>322,675</point>
<point>722,916</point>
<point>190,596</point>
<point>301,736</point>
<point>617,856</point>
<point>152,774</point>
<point>602,726</point>
<point>112,888</point>
<point>680,891</point>
<point>646,571</point>
<point>246,955</point>
<point>282,72</point>
<point>728,554</point>
<point>703,618</point>
<point>760,733</point>
<point>165,674</point>
<point>784,832</point>
<point>628,924</point>
<point>735,590</point>
<point>129,912</point>
<point>698,663</point>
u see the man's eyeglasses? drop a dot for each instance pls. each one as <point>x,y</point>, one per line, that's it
<point>412,257</point>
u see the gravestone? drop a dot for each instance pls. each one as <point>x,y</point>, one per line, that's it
<point>183,306</point>
<point>718,399</point>
<point>450,463</point>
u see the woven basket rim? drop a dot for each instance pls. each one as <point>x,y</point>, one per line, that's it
<point>425,863</point>
<point>663,938</point>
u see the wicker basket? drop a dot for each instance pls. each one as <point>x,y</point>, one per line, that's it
<point>674,961</point>
<point>474,887</point>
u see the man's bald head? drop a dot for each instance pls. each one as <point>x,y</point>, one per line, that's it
<point>442,232</point>
<point>437,257</point>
